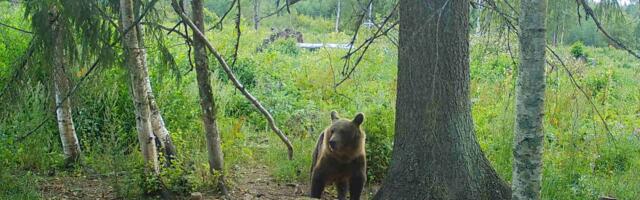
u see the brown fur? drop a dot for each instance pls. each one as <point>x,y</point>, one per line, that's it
<point>340,158</point>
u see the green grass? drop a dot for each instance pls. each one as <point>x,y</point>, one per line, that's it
<point>581,160</point>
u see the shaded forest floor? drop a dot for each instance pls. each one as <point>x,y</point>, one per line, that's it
<point>254,182</point>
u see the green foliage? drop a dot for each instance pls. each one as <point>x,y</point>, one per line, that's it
<point>285,47</point>
<point>18,186</point>
<point>577,50</point>
<point>244,71</point>
<point>379,128</point>
<point>580,162</point>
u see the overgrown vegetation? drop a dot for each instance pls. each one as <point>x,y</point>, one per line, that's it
<point>582,158</point>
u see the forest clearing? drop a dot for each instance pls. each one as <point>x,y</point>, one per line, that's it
<point>283,99</point>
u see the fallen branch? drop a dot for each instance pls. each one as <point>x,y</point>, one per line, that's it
<point>589,12</point>
<point>233,78</point>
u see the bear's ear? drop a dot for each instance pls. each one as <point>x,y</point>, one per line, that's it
<point>334,116</point>
<point>358,119</point>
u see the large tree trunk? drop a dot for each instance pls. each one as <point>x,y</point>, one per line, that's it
<point>157,122</point>
<point>139,78</point>
<point>435,154</point>
<point>528,140</point>
<point>70,144</point>
<point>207,102</point>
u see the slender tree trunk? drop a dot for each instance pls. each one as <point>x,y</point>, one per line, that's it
<point>158,127</point>
<point>555,36</point>
<point>338,16</point>
<point>528,140</point>
<point>256,14</point>
<point>562,34</point>
<point>435,154</point>
<point>70,144</point>
<point>479,17</point>
<point>207,102</point>
<point>139,78</point>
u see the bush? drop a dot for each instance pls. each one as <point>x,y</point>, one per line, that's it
<point>577,50</point>
<point>379,127</point>
<point>288,47</point>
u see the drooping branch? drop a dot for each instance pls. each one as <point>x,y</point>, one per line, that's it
<point>365,46</point>
<point>219,24</point>
<point>159,26</point>
<point>286,6</point>
<point>238,33</point>
<point>589,12</point>
<point>15,28</point>
<point>91,69</point>
<point>59,105</point>
<point>22,65</point>
<point>575,83</point>
<point>508,20</point>
<point>233,78</point>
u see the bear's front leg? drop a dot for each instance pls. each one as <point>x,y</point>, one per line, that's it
<point>317,185</point>
<point>356,184</point>
<point>341,187</point>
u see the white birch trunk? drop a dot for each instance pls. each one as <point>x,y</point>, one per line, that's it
<point>157,122</point>
<point>529,138</point>
<point>67,130</point>
<point>338,16</point>
<point>139,77</point>
<point>158,127</point>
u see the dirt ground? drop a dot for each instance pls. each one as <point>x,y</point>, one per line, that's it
<point>249,183</point>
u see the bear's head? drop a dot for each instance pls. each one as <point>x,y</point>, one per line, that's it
<point>345,136</point>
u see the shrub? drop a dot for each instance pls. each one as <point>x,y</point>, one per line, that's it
<point>577,50</point>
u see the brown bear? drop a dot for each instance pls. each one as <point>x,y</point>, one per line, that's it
<point>340,158</point>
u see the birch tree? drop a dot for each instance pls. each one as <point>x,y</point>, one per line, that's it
<point>70,144</point>
<point>136,64</point>
<point>158,127</point>
<point>528,140</point>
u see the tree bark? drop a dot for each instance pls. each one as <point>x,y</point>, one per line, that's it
<point>158,127</point>
<point>136,64</point>
<point>435,154</point>
<point>70,144</point>
<point>207,102</point>
<point>529,139</point>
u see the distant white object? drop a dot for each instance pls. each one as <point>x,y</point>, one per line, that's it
<point>314,46</point>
